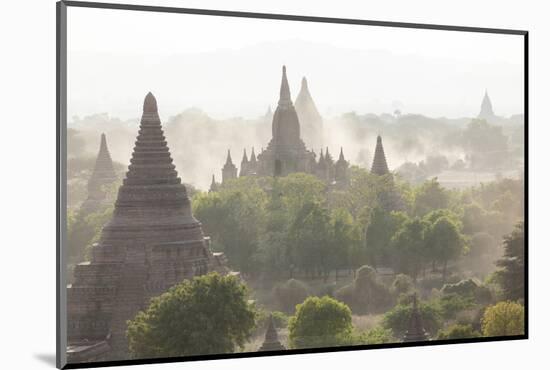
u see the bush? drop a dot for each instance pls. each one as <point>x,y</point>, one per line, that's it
<point>377,335</point>
<point>469,288</point>
<point>320,322</point>
<point>402,284</point>
<point>209,314</point>
<point>289,294</point>
<point>458,331</point>
<point>504,318</point>
<point>366,294</point>
<point>398,319</point>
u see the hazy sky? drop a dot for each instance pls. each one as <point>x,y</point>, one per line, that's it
<point>231,66</point>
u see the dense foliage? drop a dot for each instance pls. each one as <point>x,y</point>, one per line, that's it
<point>320,322</point>
<point>504,318</point>
<point>209,314</point>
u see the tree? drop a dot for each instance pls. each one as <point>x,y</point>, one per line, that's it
<point>309,239</point>
<point>504,318</point>
<point>445,241</point>
<point>512,265</point>
<point>382,226</point>
<point>458,331</point>
<point>428,197</point>
<point>366,294</point>
<point>410,248</point>
<point>206,315</point>
<point>398,318</point>
<point>320,322</point>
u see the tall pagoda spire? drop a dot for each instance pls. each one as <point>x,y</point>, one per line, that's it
<point>486,112</point>
<point>311,122</point>
<point>229,170</point>
<point>252,156</point>
<point>286,127</point>
<point>415,331</point>
<point>213,185</point>
<point>103,175</point>
<point>271,341</point>
<point>284,93</point>
<point>379,164</point>
<point>244,165</point>
<point>151,243</point>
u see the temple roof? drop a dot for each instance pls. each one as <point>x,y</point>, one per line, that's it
<point>305,106</point>
<point>486,111</point>
<point>285,126</point>
<point>379,164</point>
<point>245,158</point>
<point>341,158</point>
<point>252,156</point>
<point>228,161</point>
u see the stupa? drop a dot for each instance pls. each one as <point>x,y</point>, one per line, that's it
<point>151,243</point>
<point>379,164</point>
<point>271,341</point>
<point>102,177</point>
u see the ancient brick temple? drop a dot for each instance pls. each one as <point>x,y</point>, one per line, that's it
<point>151,243</point>
<point>102,177</point>
<point>286,152</point>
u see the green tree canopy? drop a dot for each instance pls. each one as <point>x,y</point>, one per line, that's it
<point>504,318</point>
<point>512,265</point>
<point>320,322</point>
<point>206,315</point>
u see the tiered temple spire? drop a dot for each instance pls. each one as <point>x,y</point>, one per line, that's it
<point>271,341</point>
<point>213,185</point>
<point>151,243</point>
<point>415,331</point>
<point>311,122</point>
<point>379,164</point>
<point>244,165</point>
<point>486,112</point>
<point>102,176</point>
<point>229,170</point>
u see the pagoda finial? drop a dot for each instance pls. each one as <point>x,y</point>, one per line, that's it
<point>228,160</point>
<point>252,156</point>
<point>245,158</point>
<point>341,157</point>
<point>103,145</point>
<point>284,97</point>
<point>304,83</point>
<point>150,104</point>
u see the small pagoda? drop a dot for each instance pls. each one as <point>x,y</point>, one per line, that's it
<point>229,170</point>
<point>486,112</point>
<point>415,330</point>
<point>103,176</point>
<point>271,341</point>
<point>379,164</point>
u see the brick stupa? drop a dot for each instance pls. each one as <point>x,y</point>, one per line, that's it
<point>379,164</point>
<point>151,243</point>
<point>102,176</point>
<point>271,341</point>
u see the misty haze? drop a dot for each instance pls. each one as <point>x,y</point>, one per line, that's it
<point>281,185</point>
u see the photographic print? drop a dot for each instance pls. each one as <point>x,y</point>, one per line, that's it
<point>241,185</point>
